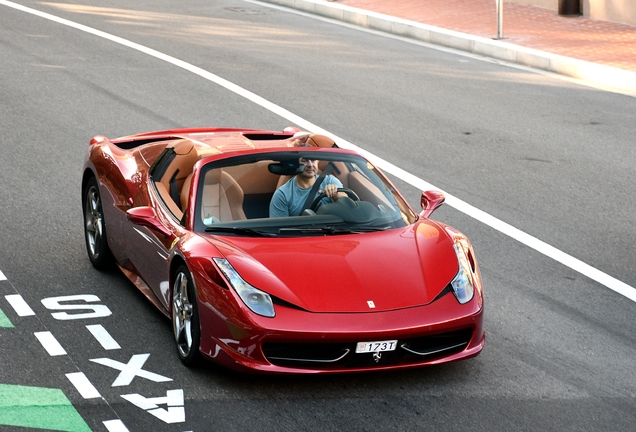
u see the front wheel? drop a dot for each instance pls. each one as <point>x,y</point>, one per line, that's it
<point>95,228</point>
<point>185,317</point>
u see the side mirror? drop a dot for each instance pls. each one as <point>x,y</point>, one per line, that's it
<point>146,216</point>
<point>430,201</point>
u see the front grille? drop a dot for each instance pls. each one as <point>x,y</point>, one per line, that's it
<point>332,356</point>
<point>304,353</point>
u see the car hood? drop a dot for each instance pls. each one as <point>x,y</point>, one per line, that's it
<point>367,272</point>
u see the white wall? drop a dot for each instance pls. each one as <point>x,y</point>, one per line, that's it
<point>619,11</point>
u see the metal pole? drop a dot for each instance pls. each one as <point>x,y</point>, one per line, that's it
<point>499,19</point>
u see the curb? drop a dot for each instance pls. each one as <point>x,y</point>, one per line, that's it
<point>594,73</point>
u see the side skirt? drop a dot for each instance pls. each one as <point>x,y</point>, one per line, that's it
<point>145,289</point>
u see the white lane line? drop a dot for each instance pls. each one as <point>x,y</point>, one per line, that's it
<point>532,242</point>
<point>2,276</point>
<point>600,84</point>
<point>103,337</point>
<point>115,426</point>
<point>19,305</point>
<point>84,387</point>
<point>50,344</point>
<point>503,227</point>
<point>169,59</point>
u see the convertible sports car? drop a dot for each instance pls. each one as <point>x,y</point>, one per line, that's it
<point>357,283</point>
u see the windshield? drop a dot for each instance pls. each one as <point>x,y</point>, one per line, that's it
<point>299,192</point>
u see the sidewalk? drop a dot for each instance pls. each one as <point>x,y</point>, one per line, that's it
<point>599,52</point>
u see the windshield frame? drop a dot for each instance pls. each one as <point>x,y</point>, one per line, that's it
<point>400,214</point>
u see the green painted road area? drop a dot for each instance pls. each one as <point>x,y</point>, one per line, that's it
<point>4,321</point>
<point>35,407</point>
<point>39,408</point>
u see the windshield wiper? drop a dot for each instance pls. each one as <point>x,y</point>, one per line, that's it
<point>331,230</point>
<point>239,231</point>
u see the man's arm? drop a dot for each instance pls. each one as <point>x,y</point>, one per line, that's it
<point>331,188</point>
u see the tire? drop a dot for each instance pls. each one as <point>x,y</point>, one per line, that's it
<point>95,227</point>
<point>185,317</point>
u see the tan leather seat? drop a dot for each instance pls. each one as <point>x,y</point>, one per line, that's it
<point>282,180</point>
<point>366,190</point>
<point>222,197</point>
<point>317,140</point>
<point>179,169</point>
<point>185,192</point>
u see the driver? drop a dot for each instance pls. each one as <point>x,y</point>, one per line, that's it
<point>289,199</point>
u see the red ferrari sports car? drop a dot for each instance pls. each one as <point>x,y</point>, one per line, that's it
<point>350,279</point>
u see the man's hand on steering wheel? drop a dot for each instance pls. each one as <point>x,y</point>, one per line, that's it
<point>331,191</point>
<point>339,193</point>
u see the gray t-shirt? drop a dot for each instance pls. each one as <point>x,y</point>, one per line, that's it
<point>288,200</point>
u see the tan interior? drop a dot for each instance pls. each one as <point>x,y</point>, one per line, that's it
<point>317,140</point>
<point>224,189</point>
<point>181,167</point>
<point>172,181</point>
<point>254,178</point>
<point>366,190</point>
<point>167,199</point>
<point>222,197</point>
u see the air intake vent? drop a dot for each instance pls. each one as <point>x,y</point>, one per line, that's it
<point>332,356</point>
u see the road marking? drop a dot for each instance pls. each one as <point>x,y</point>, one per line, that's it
<point>503,227</point>
<point>50,344</point>
<point>98,310</point>
<point>19,305</point>
<point>103,337</point>
<point>175,411</point>
<point>115,426</point>
<point>2,276</point>
<point>583,81</point>
<point>38,408</point>
<point>5,322</point>
<point>84,387</point>
<point>130,370</point>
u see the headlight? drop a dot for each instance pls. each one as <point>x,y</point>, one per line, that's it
<point>462,284</point>
<point>258,301</point>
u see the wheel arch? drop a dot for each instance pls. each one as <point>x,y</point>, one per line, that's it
<point>88,174</point>
<point>193,355</point>
<point>176,262</point>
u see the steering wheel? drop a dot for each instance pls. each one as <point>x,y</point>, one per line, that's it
<point>351,194</point>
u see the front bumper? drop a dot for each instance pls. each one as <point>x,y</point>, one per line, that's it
<point>300,342</point>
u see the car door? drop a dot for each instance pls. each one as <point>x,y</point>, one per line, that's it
<point>150,233</point>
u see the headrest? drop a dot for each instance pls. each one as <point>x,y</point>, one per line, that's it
<point>182,147</point>
<point>317,140</point>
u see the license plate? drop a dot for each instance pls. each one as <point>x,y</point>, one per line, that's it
<point>370,347</point>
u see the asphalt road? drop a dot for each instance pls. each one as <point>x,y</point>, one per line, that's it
<point>550,157</point>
